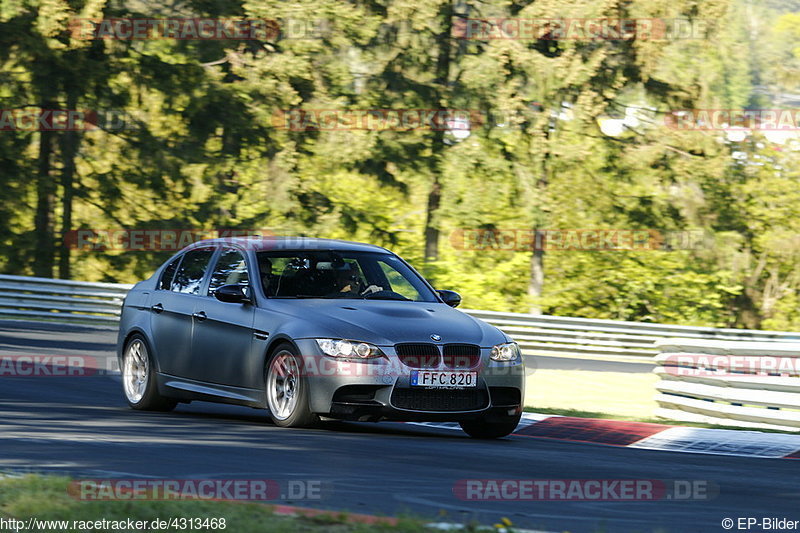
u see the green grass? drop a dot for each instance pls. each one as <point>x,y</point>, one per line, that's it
<point>610,393</point>
<point>46,498</point>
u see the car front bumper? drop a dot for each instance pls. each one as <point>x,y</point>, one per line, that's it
<point>380,389</point>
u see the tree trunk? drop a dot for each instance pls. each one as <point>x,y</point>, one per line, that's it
<point>69,142</point>
<point>69,149</point>
<point>747,315</point>
<point>536,283</point>
<point>44,239</point>
<point>431,231</point>
<point>442,83</point>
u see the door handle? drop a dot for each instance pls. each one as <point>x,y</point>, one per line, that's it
<point>157,308</point>
<point>200,316</point>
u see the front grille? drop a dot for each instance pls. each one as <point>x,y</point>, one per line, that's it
<point>461,355</point>
<point>418,355</point>
<point>440,399</point>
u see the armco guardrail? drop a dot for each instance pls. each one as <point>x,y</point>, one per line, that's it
<point>609,339</point>
<point>746,384</point>
<point>61,300</point>
<point>99,303</point>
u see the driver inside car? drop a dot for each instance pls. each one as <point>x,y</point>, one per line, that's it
<point>346,279</point>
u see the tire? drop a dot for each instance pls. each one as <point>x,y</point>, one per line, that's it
<point>287,390</point>
<point>139,379</point>
<point>481,429</point>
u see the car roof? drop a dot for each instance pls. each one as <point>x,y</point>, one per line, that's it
<point>267,243</point>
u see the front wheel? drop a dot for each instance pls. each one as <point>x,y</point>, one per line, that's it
<point>287,389</point>
<point>139,379</point>
<point>481,429</point>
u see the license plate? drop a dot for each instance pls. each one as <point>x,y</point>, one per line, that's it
<point>434,378</point>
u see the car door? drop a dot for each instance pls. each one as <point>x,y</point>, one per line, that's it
<point>172,305</point>
<point>223,332</point>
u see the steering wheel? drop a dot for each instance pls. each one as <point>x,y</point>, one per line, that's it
<point>385,295</point>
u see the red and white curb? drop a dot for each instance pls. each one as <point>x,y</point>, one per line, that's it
<point>649,436</point>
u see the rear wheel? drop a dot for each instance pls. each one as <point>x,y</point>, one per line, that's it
<point>287,389</point>
<point>481,429</point>
<point>139,379</point>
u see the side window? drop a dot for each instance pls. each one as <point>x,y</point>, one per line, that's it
<point>193,267</point>
<point>231,269</point>
<point>165,281</point>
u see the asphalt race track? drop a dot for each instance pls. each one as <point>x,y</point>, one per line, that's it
<point>81,426</point>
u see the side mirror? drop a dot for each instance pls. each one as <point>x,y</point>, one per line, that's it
<point>234,294</point>
<point>451,298</point>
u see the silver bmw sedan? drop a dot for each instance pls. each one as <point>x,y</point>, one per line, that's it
<point>310,329</point>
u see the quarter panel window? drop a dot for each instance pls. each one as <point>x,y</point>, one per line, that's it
<point>165,281</point>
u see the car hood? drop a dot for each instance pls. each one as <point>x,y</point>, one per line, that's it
<point>384,322</point>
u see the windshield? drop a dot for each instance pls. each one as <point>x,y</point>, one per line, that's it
<point>334,274</point>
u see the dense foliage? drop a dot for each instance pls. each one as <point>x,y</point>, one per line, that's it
<point>565,134</point>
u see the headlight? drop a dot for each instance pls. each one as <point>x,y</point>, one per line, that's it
<point>505,352</point>
<point>348,349</point>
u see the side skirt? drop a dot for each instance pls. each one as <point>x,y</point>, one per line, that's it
<point>187,389</point>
